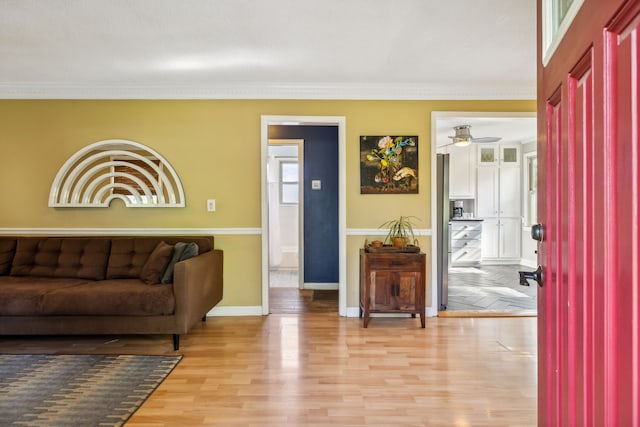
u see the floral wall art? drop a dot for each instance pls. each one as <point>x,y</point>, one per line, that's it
<point>388,164</point>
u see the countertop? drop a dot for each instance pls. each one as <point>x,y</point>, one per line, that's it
<point>465,219</point>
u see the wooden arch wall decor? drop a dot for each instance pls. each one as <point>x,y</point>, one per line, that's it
<point>116,169</point>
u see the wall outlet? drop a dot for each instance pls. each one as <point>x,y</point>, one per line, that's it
<point>211,205</point>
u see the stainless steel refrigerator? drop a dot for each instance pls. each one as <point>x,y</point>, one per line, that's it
<point>443,255</point>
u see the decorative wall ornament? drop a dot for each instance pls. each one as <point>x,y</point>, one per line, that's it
<point>389,164</point>
<point>116,169</point>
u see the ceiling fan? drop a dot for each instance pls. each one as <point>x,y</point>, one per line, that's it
<point>463,137</point>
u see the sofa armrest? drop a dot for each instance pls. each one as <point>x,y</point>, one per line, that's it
<point>197,287</point>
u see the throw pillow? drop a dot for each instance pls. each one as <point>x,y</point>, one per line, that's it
<point>181,252</point>
<point>156,263</point>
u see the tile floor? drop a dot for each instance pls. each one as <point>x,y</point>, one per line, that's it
<point>490,288</point>
<point>283,278</point>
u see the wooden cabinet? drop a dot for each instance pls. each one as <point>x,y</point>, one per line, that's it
<point>392,282</point>
<point>465,242</point>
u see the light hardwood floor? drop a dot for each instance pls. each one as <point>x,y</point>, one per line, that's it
<point>318,369</point>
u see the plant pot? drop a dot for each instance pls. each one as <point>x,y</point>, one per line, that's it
<point>399,242</point>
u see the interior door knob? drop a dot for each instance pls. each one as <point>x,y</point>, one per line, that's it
<point>534,275</point>
<point>537,232</point>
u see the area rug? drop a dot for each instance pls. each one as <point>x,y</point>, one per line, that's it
<point>77,390</point>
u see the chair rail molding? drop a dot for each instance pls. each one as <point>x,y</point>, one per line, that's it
<point>116,169</point>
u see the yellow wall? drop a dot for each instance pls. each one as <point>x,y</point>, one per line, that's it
<point>214,145</point>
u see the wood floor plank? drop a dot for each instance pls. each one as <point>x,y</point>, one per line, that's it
<point>319,369</point>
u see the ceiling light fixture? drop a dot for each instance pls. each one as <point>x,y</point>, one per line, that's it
<point>463,136</point>
<point>461,141</point>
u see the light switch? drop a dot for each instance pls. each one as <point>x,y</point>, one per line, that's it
<point>316,184</point>
<point>211,205</point>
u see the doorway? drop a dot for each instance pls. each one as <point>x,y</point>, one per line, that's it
<point>310,263</point>
<point>487,196</point>
<point>285,168</point>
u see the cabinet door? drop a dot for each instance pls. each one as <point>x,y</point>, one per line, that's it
<point>406,290</point>
<point>510,155</point>
<point>380,291</point>
<point>394,290</point>
<point>462,177</point>
<point>487,204</point>
<point>488,155</point>
<point>491,238</point>
<point>509,195</point>
<point>510,232</point>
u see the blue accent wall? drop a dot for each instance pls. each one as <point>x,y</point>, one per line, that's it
<point>320,206</point>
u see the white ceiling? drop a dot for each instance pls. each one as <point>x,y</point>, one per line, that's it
<point>310,49</point>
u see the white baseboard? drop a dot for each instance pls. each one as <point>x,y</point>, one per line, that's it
<point>353,312</point>
<point>320,286</point>
<point>528,263</point>
<point>251,310</point>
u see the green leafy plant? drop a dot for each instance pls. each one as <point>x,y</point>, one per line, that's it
<point>401,229</point>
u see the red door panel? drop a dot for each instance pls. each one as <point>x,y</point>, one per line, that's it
<point>589,168</point>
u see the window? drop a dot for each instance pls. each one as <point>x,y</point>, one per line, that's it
<point>288,182</point>
<point>557,15</point>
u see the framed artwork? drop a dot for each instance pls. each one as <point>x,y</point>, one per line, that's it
<point>389,164</point>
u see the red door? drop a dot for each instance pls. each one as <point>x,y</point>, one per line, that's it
<point>588,156</point>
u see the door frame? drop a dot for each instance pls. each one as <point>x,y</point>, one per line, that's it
<point>340,122</point>
<point>435,116</point>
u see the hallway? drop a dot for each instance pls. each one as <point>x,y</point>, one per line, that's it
<point>286,298</point>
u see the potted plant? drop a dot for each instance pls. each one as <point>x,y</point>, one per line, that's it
<point>400,231</point>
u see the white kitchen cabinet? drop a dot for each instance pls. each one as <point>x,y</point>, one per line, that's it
<point>498,201</point>
<point>490,238</point>
<point>501,239</point>
<point>509,191</point>
<point>488,204</point>
<point>510,235</point>
<point>462,171</point>
<point>498,154</point>
<point>465,242</point>
<point>498,191</point>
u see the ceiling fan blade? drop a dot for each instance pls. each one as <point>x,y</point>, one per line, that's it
<point>486,139</point>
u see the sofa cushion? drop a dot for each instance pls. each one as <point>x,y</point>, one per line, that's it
<point>128,256</point>
<point>61,257</point>
<point>181,252</point>
<point>7,250</point>
<point>23,295</point>
<point>126,297</point>
<point>156,264</point>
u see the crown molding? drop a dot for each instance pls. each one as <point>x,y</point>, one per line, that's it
<point>128,231</point>
<point>337,91</point>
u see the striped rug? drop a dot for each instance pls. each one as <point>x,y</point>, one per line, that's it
<point>77,390</point>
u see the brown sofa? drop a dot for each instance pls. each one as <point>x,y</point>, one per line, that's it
<point>106,285</point>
